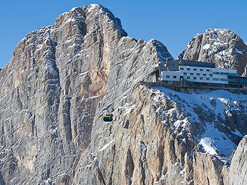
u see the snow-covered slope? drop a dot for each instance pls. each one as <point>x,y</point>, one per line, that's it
<point>160,136</point>
<point>208,117</point>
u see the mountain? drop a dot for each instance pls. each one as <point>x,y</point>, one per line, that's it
<point>63,78</point>
<point>220,46</point>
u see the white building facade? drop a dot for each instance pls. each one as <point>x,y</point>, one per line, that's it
<point>196,73</point>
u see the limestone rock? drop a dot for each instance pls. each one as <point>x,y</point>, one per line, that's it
<point>238,168</point>
<point>63,78</point>
<point>207,169</point>
<point>51,88</point>
<point>49,94</point>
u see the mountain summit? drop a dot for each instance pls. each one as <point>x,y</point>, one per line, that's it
<point>64,78</point>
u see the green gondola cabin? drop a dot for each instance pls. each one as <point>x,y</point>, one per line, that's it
<point>108,118</point>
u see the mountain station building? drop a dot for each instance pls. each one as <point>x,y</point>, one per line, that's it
<point>194,76</point>
<point>175,72</point>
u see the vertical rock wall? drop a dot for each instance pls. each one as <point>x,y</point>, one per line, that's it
<point>60,82</point>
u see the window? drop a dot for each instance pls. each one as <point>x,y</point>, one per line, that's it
<point>207,78</point>
<point>174,76</point>
<point>191,73</point>
<point>194,69</point>
<point>185,73</point>
<point>167,76</point>
<point>198,74</point>
<point>204,74</point>
<point>207,69</point>
<point>194,78</point>
<point>181,68</point>
<point>188,77</point>
<point>188,69</point>
<point>232,74</point>
<point>210,75</point>
<point>201,78</point>
<point>201,69</point>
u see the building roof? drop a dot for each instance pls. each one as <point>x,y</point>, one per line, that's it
<point>196,63</point>
<point>173,65</point>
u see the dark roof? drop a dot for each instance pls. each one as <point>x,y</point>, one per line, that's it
<point>173,65</point>
<point>196,63</point>
<point>170,65</point>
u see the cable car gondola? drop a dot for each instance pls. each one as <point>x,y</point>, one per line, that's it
<point>108,118</point>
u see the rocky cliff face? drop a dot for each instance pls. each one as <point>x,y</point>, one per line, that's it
<point>161,137</point>
<point>220,46</point>
<point>62,79</point>
<point>239,162</point>
<point>49,94</point>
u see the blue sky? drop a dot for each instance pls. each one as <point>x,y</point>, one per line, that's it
<point>173,22</point>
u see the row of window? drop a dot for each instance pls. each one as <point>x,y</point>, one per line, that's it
<point>243,81</point>
<point>219,79</point>
<point>223,73</point>
<point>194,78</point>
<point>167,76</point>
<point>215,79</point>
<point>198,74</point>
<point>188,77</point>
<point>194,69</point>
<point>201,78</point>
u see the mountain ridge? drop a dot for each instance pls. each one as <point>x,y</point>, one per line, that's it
<point>60,82</point>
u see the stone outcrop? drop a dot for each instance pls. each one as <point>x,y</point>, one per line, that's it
<point>238,168</point>
<point>63,78</point>
<point>146,144</point>
<point>220,46</point>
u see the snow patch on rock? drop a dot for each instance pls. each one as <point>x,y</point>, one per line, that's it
<point>207,109</point>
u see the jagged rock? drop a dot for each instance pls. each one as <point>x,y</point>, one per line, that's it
<point>51,88</point>
<point>63,78</point>
<point>50,91</point>
<point>220,46</point>
<point>207,169</point>
<point>238,168</point>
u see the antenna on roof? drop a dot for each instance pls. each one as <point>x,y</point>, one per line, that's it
<point>166,60</point>
<point>180,61</point>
